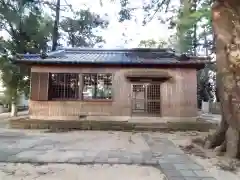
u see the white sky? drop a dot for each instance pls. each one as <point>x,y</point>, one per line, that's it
<point>133,29</point>
<point>113,34</point>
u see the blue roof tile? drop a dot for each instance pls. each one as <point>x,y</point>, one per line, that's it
<point>103,56</point>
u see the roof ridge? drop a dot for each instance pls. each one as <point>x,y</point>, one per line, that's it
<point>94,52</point>
<point>166,50</point>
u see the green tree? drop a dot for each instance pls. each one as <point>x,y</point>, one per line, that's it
<point>192,17</point>
<point>187,19</point>
<point>187,27</point>
<point>29,32</point>
<point>152,43</point>
<point>80,29</point>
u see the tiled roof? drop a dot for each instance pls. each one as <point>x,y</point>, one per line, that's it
<point>104,56</point>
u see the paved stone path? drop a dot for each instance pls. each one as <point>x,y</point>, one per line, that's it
<point>91,147</point>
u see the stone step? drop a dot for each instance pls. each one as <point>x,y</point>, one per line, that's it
<point>214,116</point>
<point>111,125</point>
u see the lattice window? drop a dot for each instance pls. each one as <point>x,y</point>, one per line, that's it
<point>138,88</point>
<point>64,86</point>
<point>146,98</point>
<point>97,86</point>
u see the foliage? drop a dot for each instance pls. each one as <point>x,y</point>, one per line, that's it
<point>151,43</point>
<point>191,17</point>
<point>28,29</point>
<point>12,79</point>
<point>29,32</point>
<point>187,19</point>
<point>80,29</point>
<point>125,12</point>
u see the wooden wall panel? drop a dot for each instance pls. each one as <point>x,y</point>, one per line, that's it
<point>34,87</point>
<point>43,86</point>
<point>39,86</point>
<point>189,106</point>
<point>178,96</point>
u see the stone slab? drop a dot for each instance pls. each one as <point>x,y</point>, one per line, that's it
<point>202,173</point>
<point>186,166</point>
<point>187,173</point>
<point>93,147</point>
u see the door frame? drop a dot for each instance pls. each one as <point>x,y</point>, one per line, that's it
<point>145,100</point>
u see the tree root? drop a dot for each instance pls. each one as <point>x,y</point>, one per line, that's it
<point>226,140</point>
<point>232,141</point>
<point>218,137</point>
<point>221,149</point>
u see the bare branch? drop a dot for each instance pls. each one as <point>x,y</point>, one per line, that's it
<point>69,5</point>
<point>158,8</point>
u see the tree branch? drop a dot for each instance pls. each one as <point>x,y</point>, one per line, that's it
<point>3,25</point>
<point>13,33</point>
<point>159,6</point>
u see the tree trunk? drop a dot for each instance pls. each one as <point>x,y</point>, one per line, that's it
<point>13,109</point>
<point>55,27</point>
<point>226,26</point>
<point>194,6</point>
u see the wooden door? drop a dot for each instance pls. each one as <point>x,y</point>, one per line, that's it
<point>146,99</point>
<point>153,99</point>
<point>138,98</point>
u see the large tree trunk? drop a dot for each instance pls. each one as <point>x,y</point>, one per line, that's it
<point>55,27</point>
<point>226,26</point>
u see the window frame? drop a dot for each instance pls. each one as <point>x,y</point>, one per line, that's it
<point>50,89</point>
<point>95,98</point>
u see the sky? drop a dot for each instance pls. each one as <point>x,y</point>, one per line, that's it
<point>113,34</point>
<point>133,29</point>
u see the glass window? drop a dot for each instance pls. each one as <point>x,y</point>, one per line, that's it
<point>97,86</point>
<point>63,86</point>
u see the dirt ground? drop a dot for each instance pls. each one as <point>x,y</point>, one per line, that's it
<point>76,172</point>
<point>220,167</point>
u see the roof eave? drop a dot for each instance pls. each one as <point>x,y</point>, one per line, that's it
<point>191,64</point>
